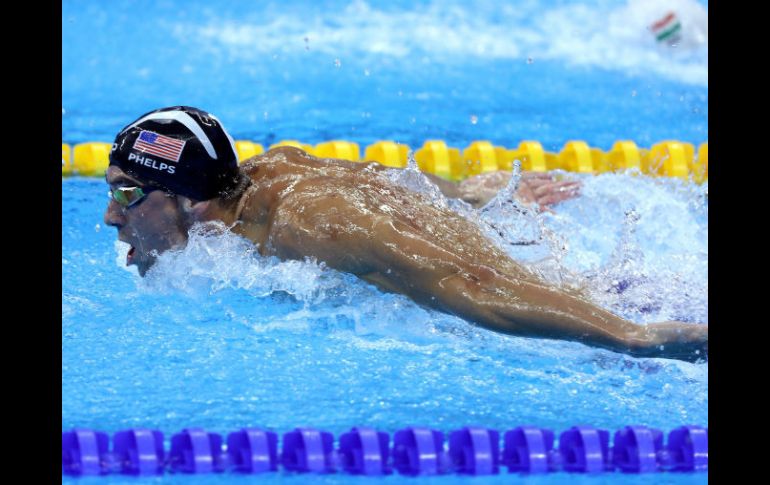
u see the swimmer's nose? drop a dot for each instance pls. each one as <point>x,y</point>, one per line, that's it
<point>114,215</point>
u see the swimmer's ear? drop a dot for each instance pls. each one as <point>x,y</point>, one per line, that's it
<point>195,210</point>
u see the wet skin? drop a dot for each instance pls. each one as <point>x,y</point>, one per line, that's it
<point>355,220</point>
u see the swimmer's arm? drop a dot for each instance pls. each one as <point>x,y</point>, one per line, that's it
<point>403,258</point>
<point>534,187</point>
<point>522,307</point>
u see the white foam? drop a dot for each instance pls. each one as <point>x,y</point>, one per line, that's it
<point>121,251</point>
<point>643,236</point>
<point>216,260</point>
<point>607,36</point>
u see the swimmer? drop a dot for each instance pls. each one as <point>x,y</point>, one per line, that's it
<point>177,166</point>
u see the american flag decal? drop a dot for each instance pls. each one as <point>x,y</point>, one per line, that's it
<point>159,145</point>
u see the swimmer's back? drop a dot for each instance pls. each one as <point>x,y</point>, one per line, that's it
<point>316,202</point>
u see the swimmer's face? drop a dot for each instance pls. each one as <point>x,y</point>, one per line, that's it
<point>151,226</point>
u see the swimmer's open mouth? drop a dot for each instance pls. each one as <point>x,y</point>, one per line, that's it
<point>130,256</point>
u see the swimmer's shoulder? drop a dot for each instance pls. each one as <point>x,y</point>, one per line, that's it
<point>287,162</point>
<point>286,155</point>
<point>290,154</point>
<point>266,164</point>
<point>276,154</point>
<point>288,159</point>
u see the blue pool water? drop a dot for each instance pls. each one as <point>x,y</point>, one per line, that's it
<point>220,338</point>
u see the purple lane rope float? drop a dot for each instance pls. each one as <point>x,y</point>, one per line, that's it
<point>366,451</point>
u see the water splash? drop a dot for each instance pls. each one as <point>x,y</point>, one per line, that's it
<point>216,260</point>
<point>623,282</point>
<point>217,263</point>
<point>508,193</point>
<point>522,231</point>
<point>414,179</point>
<point>506,220</point>
<point>121,251</point>
<point>605,36</point>
<point>657,268</point>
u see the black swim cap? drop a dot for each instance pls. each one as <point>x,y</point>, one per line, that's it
<point>180,149</point>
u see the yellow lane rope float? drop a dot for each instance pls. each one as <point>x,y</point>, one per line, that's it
<point>668,158</point>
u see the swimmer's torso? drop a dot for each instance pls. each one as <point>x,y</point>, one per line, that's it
<point>336,211</point>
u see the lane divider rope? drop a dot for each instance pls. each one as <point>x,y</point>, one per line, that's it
<point>669,158</point>
<point>415,450</point>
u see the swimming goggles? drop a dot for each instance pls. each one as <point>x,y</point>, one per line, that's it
<point>130,196</point>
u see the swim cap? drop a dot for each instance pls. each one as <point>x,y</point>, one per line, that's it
<point>183,150</point>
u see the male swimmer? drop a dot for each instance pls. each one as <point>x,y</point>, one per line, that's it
<point>177,166</point>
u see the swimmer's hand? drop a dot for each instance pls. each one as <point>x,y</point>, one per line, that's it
<point>674,340</point>
<point>544,190</point>
<point>534,188</point>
